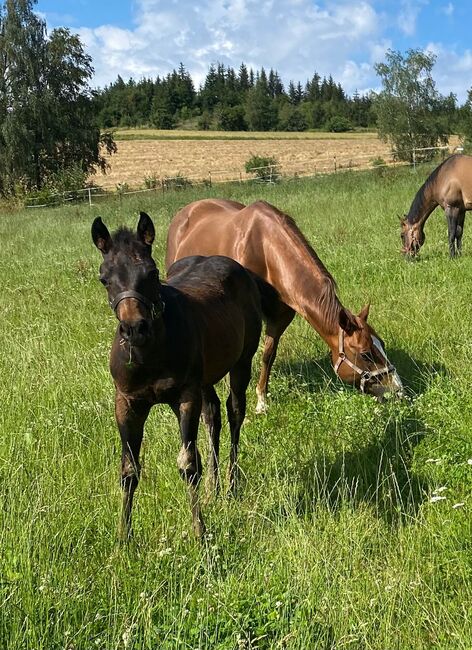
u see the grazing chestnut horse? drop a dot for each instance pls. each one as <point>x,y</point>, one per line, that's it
<point>268,243</point>
<point>450,186</point>
<point>174,341</point>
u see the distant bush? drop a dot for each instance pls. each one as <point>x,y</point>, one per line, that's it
<point>338,124</point>
<point>265,168</point>
<point>177,182</point>
<point>151,180</point>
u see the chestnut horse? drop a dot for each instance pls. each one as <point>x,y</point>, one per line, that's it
<point>268,243</point>
<point>173,342</point>
<point>450,186</point>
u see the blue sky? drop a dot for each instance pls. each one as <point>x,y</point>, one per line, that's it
<point>136,38</point>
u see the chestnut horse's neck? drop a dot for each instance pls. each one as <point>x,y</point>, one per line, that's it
<point>302,281</point>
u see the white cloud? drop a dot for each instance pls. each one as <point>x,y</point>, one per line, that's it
<point>296,37</point>
<point>409,12</point>
<point>452,70</point>
<point>448,9</point>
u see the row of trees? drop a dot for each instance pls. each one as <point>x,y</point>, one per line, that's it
<point>233,101</point>
<point>52,123</point>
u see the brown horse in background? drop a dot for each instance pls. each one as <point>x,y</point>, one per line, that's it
<point>268,243</point>
<point>174,341</point>
<point>450,186</point>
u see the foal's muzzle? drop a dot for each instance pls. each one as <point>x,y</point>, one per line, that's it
<point>136,332</point>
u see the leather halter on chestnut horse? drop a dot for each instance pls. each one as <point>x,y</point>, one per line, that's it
<point>365,375</point>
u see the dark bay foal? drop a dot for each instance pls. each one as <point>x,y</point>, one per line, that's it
<point>175,341</point>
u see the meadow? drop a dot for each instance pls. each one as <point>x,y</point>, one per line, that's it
<point>352,528</point>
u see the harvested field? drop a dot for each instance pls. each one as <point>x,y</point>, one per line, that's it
<point>196,158</point>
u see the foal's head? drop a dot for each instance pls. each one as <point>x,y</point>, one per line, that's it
<point>130,277</point>
<point>361,359</point>
<point>412,236</point>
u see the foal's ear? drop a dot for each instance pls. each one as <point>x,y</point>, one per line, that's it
<point>347,322</point>
<point>146,232</point>
<point>364,312</point>
<point>101,236</point>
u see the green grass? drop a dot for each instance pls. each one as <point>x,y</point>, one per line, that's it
<point>188,134</point>
<point>334,541</point>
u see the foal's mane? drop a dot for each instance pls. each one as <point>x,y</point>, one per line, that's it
<point>420,195</point>
<point>328,302</point>
<point>124,237</point>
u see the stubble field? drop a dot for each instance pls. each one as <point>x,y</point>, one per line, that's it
<point>197,154</point>
<point>353,526</point>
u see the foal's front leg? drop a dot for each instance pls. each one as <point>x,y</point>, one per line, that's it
<point>130,416</point>
<point>188,410</point>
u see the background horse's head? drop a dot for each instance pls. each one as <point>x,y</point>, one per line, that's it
<point>361,359</point>
<point>412,236</point>
<point>130,277</point>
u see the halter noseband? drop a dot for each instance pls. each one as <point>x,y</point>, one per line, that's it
<point>156,309</point>
<point>365,375</point>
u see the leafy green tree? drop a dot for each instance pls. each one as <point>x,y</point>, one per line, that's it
<point>47,115</point>
<point>409,108</point>
<point>261,114</point>
<point>465,122</point>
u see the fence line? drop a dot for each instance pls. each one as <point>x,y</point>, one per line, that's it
<point>323,166</point>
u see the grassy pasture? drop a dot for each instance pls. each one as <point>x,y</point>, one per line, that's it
<point>336,540</point>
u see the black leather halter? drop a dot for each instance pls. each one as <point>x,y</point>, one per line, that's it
<point>156,308</point>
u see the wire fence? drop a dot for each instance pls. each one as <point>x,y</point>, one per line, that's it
<point>324,165</point>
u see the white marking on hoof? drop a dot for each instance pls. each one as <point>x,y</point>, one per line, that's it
<point>261,402</point>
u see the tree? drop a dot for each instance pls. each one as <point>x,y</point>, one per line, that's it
<point>409,108</point>
<point>465,122</point>
<point>260,114</point>
<point>47,114</point>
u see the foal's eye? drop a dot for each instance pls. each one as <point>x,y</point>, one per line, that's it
<point>103,280</point>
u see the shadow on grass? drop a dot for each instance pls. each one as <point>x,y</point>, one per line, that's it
<point>378,474</point>
<point>318,375</point>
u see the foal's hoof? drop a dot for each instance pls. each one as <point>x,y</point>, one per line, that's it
<point>199,529</point>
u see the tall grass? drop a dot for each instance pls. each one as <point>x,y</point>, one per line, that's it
<point>336,540</point>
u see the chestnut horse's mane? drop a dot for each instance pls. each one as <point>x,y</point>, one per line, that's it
<point>420,196</point>
<point>327,301</point>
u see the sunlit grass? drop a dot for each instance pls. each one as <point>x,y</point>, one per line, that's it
<point>184,134</point>
<point>335,541</point>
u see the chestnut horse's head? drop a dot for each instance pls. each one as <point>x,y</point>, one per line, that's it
<point>130,277</point>
<point>412,236</point>
<point>361,359</point>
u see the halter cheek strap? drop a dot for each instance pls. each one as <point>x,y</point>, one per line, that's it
<point>156,309</point>
<point>365,375</point>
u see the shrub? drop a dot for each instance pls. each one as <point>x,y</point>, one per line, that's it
<point>177,182</point>
<point>265,168</point>
<point>338,124</point>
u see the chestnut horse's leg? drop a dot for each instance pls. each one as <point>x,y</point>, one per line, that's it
<point>275,327</point>
<point>188,410</point>
<point>130,417</point>
<point>239,377</point>
<point>212,417</point>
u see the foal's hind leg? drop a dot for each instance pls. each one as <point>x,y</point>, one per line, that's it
<point>452,214</point>
<point>239,378</point>
<point>212,417</point>
<point>460,231</point>
<point>274,329</point>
